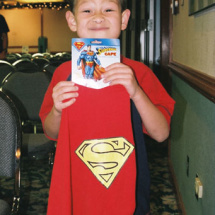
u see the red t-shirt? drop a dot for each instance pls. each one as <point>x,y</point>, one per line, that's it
<point>95,167</point>
<point>145,77</point>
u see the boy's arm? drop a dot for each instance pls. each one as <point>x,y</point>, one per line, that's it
<point>152,118</point>
<point>52,124</point>
<point>64,94</point>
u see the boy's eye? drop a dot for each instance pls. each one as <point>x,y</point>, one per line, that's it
<point>108,10</point>
<point>86,11</point>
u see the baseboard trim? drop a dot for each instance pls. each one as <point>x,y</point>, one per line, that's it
<point>177,190</point>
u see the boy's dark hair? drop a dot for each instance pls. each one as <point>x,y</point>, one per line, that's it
<point>72,4</point>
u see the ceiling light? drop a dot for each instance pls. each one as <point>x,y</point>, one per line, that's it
<point>39,1</point>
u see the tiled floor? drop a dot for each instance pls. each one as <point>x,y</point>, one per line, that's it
<point>36,175</point>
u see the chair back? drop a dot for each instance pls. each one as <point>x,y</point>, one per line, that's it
<point>4,208</point>
<point>10,136</point>
<point>5,69</point>
<point>12,57</point>
<point>26,65</point>
<point>50,68</point>
<point>27,55</point>
<point>27,91</point>
<point>41,62</point>
<point>10,150</point>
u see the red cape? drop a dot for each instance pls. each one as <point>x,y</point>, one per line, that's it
<point>88,179</point>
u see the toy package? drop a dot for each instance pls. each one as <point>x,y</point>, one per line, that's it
<point>90,57</point>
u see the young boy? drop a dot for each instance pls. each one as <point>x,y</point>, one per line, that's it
<point>100,163</point>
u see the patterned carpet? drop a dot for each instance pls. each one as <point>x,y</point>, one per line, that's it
<point>163,197</point>
<point>35,176</point>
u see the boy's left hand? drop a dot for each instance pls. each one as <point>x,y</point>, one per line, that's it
<point>119,73</point>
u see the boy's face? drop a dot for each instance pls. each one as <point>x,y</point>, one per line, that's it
<point>98,18</point>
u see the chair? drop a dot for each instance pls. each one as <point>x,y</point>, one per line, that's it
<point>56,61</point>
<point>50,68</point>
<point>41,62</point>
<point>27,55</point>
<point>4,207</point>
<point>5,69</point>
<point>62,56</point>
<point>66,56</point>
<point>47,55</point>
<point>36,55</point>
<point>27,90</point>
<point>25,65</point>
<point>10,151</point>
<point>12,57</point>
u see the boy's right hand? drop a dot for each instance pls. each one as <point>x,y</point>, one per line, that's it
<point>64,94</point>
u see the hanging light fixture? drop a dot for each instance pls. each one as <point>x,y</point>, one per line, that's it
<point>31,1</point>
<point>38,1</point>
<point>31,4</point>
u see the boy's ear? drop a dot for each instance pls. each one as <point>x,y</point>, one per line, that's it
<point>71,21</point>
<point>125,18</point>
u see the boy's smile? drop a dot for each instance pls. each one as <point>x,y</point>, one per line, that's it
<point>98,18</point>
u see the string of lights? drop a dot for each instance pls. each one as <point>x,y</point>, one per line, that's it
<point>51,5</point>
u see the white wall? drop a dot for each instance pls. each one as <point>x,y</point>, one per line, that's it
<point>26,27</point>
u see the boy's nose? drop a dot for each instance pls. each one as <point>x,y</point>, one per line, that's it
<point>98,18</point>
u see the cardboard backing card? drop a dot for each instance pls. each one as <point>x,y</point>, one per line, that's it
<point>90,57</point>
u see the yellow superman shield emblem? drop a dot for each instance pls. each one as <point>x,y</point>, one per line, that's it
<point>105,157</point>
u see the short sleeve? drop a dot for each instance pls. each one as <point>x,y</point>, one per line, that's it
<point>153,89</point>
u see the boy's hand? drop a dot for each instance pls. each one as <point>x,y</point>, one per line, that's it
<point>64,94</point>
<point>119,73</point>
